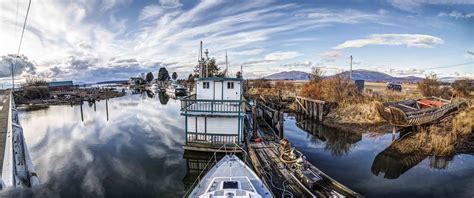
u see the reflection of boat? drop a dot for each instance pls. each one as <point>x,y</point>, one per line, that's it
<point>230,177</point>
<point>416,112</point>
<point>176,89</point>
<point>393,163</point>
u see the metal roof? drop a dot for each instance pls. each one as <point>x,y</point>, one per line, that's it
<point>60,83</point>
<point>219,79</point>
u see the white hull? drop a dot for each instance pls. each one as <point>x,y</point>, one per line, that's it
<point>230,177</point>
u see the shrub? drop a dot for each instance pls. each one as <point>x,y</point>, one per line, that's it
<point>430,86</point>
<point>36,92</point>
<point>463,87</point>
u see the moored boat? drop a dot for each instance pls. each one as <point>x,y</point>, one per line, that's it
<point>176,89</point>
<point>230,177</point>
<point>415,112</point>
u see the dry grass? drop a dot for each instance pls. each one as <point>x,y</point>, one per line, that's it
<point>440,139</point>
<point>362,113</point>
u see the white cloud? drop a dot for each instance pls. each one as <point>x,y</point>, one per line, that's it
<point>406,72</point>
<point>413,5</point>
<point>170,3</point>
<point>331,54</point>
<point>278,56</point>
<point>410,40</point>
<point>456,14</point>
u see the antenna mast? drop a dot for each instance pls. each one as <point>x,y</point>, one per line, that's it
<point>350,72</point>
<point>226,64</point>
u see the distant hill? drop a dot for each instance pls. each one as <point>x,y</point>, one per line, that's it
<point>289,75</point>
<point>367,75</point>
<point>113,82</point>
<point>375,76</point>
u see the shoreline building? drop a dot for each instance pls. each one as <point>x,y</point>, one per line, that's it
<point>214,115</point>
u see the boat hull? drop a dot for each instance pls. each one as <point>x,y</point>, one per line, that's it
<point>398,115</point>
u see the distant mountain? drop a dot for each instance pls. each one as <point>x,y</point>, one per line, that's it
<point>113,82</point>
<point>367,75</point>
<point>289,75</point>
<point>375,76</point>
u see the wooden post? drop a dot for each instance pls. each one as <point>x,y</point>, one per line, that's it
<point>254,119</point>
<point>320,108</point>
<point>394,130</point>
<point>82,114</point>
<point>106,105</point>
<point>94,106</point>
<point>281,123</point>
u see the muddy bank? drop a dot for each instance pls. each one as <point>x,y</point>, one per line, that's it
<point>67,98</point>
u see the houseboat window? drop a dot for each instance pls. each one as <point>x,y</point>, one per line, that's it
<point>230,85</point>
<point>205,85</point>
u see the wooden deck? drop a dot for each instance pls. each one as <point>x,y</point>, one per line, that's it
<point>4,106</point>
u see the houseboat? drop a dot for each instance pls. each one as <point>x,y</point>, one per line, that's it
<point>214,114</point>
<point>176,89</point>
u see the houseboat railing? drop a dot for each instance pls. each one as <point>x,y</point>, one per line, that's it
<point>191,104</point>
<point>211,140</point>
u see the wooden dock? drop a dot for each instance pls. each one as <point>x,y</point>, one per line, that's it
<point>286,178</point>
<point>4,107</point>
<point>314,109</point>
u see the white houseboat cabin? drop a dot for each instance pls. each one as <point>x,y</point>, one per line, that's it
<point>214,114</point>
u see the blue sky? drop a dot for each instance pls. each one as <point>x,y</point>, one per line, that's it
<point>88,40</point>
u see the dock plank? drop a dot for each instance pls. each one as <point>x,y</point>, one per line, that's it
<point>5,105</point>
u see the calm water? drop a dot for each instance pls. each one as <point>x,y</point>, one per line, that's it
<point>366,164</point>
<point>138,153</point>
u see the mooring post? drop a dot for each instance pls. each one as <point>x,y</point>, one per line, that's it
<point>254,119</point>
<point>82,116</point>
<point>281,123</point>
<point>321,106</point>
<point>106,105</point>
<point>393,133</point>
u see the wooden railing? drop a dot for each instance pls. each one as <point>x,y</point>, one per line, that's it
<point>211,140</point>
<point>191,104</point>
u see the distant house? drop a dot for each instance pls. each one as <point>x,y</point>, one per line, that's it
<point>60,85</point>
<point>136,81</point>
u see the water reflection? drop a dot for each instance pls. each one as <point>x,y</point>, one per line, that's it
<point>164,98</point>
<point>138,153</point>
<point>338,143</point>
<point>394,163</point>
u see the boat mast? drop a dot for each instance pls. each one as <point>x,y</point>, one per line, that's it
<point>226,64</point>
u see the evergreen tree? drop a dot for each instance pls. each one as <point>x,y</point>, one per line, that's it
<point>163,74</point>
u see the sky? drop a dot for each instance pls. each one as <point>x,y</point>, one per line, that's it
<point>91,40</point>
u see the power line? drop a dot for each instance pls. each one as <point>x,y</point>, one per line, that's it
<point>19,45</point>
<point>448,66</point>
<point>24,25</point>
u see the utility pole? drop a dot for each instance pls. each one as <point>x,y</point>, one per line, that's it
<point>350,72</point>
<point>13,78</point>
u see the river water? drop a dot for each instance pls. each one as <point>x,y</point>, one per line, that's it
<point>138,153</point>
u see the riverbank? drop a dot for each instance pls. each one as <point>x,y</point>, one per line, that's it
<point>72,97</point>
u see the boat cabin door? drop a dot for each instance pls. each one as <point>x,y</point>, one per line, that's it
<point>218,90</point>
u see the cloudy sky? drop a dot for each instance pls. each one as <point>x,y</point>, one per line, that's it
<point>89,40</point>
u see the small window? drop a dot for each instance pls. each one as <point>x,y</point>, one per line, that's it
<point>205,85</point>
<point>230,85</point>
<point>230,185</point>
